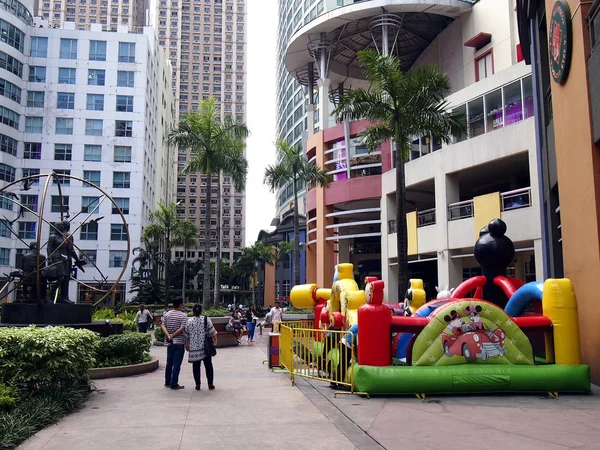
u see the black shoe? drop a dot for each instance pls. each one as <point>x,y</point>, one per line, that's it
<point>197,387</point>
<point>177,387</point>
<point>211,387</point>
<point>167,385</point>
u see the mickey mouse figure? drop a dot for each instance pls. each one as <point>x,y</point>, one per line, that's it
<point>472,311</point>
<point>455,322</point>
<point>494,252</point>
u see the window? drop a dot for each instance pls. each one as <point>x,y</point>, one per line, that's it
<point>64,126</point>
<point>39,47</point>
<point>92,153</point>
<point>126,52</point>
<point>9,117</point>
<point>10,90</point>
<point>12,35</point>
<point>5,228</point>
<point>88,204</point>
<point>68,49</point>
<point>124,103</point>
<point>96,77</point>
<point>89,232</point>
<point>35,99</point>
<point>34,124</point>
<point>484,66</point>
<point>30,201</point>
<point>123,128</point>
<point>93,127</point>
<point>92,176</point>
<point>11,64</point>
<point>97,50</point>
<point>5,256</point>
<point>32,150</point>
<point>118,232</point>
<point>31,172</point>
<point>66,75</point>
<point>56,207</point>
<point>116,258</point>
<point>121,180</point>
<point>8,145</point>
<point>95,102</point>
<point>63,152</point>
<point>125,79</point>
<point>37,74</point>
<point>65,100</point>
<point>286,288</point>
<point>122,154</point>
<point>27,230</point>
<point>64,181</point>
<point>123,204</point>
<point>89,255</point>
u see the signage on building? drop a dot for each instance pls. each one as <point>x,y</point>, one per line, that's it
<point>560,41</point>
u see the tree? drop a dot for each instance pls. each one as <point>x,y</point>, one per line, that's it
<point>185,235</point>
<point>401,106</point>
<point>296,168</point>
<point>253,256</point>
<point>215,146</point>
<point>163,227</point>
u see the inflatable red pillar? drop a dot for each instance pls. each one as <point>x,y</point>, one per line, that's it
<point>374,320</point>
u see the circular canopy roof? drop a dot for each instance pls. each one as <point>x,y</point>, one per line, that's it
<point>412,26</point>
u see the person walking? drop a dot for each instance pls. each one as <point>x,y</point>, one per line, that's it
<point>250,322</point>
<point>197,330</point>
<point>143,318</point>
<point>276,317</point>
<point>173,326</point>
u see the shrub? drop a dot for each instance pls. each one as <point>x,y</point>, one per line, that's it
<point>39,409</point>
<point>102,314</point>
<point>36,356</point>
<point>159,335</point>
<point>299,311</point>
<point>125,317</point>
<point>123,349</point>
<point>9,395</point>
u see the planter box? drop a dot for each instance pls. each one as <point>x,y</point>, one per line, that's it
<point>124,371</point>
<point>293,317</point>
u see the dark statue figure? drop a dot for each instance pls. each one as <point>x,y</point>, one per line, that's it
<point>494,252</point>
<point>61,254</point>
<point>29,268</point>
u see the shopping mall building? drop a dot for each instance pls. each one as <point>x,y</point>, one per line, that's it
<point>452,190</point>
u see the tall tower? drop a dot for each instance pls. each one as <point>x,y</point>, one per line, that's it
<point>206,43</point>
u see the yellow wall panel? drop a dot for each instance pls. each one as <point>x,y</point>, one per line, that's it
<point>411,228</point>
<point>486,207</point>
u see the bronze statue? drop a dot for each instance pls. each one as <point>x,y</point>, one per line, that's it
<point>29,268</point>
<point>61,254</point>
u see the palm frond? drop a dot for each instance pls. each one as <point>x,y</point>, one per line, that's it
<point>376,135</point>
<point>276,176</point>
<point>362,104</point>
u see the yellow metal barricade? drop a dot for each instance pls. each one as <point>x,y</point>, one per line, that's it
<point>318,354</point>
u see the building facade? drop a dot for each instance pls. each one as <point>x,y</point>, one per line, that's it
<point>276,281</point>
<point>567,101</point>
<point>452,190</point>
<point>93,105</point>
<point>206,44</point>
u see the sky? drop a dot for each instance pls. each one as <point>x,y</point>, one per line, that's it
<point>260,113</point>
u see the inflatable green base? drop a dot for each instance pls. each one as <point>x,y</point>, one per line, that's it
<point>471,378</point>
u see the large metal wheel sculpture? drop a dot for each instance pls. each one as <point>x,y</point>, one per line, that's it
<point>45,267</point>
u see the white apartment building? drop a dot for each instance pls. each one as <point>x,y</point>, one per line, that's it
<point>94,105</point>
<point>452,190</point>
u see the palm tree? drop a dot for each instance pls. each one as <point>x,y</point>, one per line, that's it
<point>401,106</point>
<point>296,168</point>
<point>163,227</point>
<point>215,147</point>
<point>185,236</point>
<point>254,256</point>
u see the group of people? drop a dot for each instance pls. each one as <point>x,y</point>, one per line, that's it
<point>240,319</point>
<point>191,335</point>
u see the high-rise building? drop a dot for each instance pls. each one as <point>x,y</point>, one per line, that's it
<point>108,13</point>
<point>206,43</point>
<point>90,104</point>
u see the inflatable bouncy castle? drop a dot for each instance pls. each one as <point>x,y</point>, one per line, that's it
<point>492,333</point>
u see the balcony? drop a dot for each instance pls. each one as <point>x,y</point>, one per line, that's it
<point>365,249</point>
<point>460,210</point>
<point>424,218</point>
<point>510,200</point>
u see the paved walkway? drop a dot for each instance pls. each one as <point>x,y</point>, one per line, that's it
<point>253,408</point>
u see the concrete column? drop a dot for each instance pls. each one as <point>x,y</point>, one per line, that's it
<point>323,85</point>
<point>344,251</point>
<point>539,259</point>
<point>310,122</point>
<point>446,192</point>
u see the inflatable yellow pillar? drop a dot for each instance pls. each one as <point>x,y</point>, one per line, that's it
<point>415,295</point>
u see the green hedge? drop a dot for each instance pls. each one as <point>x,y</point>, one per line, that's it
<point>37,356</point>
<point>125,317</point>
<point>159,335</point>
<point>123,350</point>
<point>9,395</point>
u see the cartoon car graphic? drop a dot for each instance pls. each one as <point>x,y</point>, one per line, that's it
<point>473,345</point>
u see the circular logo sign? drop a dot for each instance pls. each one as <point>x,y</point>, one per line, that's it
<point>560,41</point>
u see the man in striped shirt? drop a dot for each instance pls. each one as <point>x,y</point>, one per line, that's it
<point>173,325</point>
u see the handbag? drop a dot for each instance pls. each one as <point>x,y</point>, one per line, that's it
<point>209,347</point>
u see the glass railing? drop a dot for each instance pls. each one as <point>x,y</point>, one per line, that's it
<point>460,210</point>
<point>424,219</point>
<point>364,249</point>
<point>17,9</point>
<point>510,200</point>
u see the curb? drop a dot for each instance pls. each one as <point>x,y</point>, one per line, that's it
<point>124,371</point>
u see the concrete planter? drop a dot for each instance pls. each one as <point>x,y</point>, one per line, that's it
<point>124,371</point>
<point>293,317</point>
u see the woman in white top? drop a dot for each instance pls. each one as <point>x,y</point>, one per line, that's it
<point>143,318</point>
<point>195,337</point>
